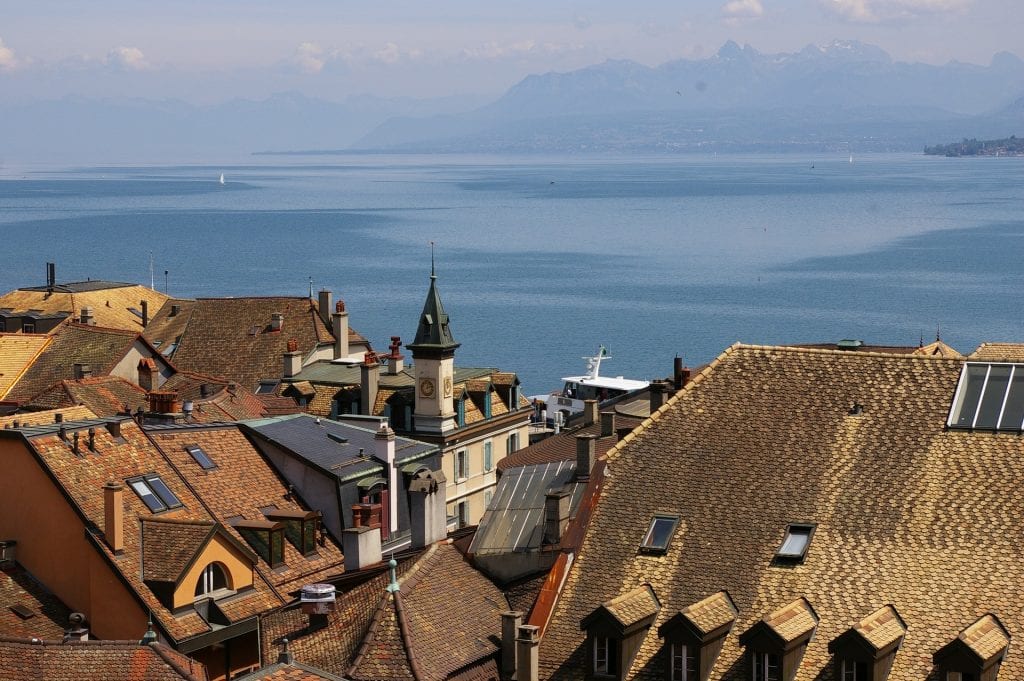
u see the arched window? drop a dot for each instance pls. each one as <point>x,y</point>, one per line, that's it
<point>213,578</point>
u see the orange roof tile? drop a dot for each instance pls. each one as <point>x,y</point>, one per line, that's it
<point>17,352</point>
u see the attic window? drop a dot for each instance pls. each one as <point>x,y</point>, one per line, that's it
<point>794,545</point>
<point>197,453</point>
<point>22,611</point>
<point>154,492</point>
<point>989,396</point>
<point>659,534</point>
<point>265,537</point>
<point>300,528</point>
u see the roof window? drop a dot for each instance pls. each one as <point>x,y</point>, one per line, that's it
<point>795,543</point>
<point>265,537</point>
<point>989,396</point>
<point>197,453</point>
<point>154,492</point>
<point>659,534</point>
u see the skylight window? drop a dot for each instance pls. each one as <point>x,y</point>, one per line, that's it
<point>154,493</point>
<point>197,453</point>
<point>989,396</point>
<point>659,534</point>
<point>794,545</point>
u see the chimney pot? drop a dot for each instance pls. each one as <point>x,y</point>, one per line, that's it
<point>361,547</point>
<point>82,371</point>
<point>339,327</point>
<point>658,394</point>
<point>369,380</point>
<point>58,417</point>
<point>556,514</point>
<point>114,428</point>
<point>292,360</point>
<point>527,641</point>
<point>74,446</point>
<point>276,321</point>
<point>86,316</point>
<point>427,513</point>
<point>590,411</point>
<point>92,439</point>
<point>323,306</point>
<point>511,620</point>
<point>145,313</point>
<point>318,601</point>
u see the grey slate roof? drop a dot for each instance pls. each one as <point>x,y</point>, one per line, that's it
<point>311,439</point>
<point>514,520</point>
<point>433,332</point>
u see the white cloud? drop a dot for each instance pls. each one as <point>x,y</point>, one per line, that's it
<point>128,58</point>
<point>8,60</point>
<point>310,57</point>
<point>743,9</point>
<point>389,54</point>
<point>877,11</point>
<point>580,21</point>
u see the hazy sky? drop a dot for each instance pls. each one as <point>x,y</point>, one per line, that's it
<point>211,50</point>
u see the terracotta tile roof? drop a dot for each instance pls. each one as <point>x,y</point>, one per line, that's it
<point>169,323</point>
<point>99,347</point>
<point>111,304</point>
<point>102,395</point>
<point>17,352</point>
<point>881,628</point>
<point>416,634</point>
<point>792,620</point>
<point>938,348</point>
<point>25,660</point>
<point>562,447</point>
<point>289,671</point>
<point>37,418</point>
<point>987,637</point>
<point>168,547</point>
<point>231,337</point>
<point>47,616</point>
<point>999,352</point>
<point>762,438</point>
<point>713,612</point>
<point>333,647</point>
<point>278,406</point>
<point>634,606</point>
<point>131,454</point>
<point>242,484</point>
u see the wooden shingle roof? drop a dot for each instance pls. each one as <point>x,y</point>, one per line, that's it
<point>986,638</point>
<point>708,614</point>
<point>764,437</point>
<point>881,628</point>
<point>792,620</point>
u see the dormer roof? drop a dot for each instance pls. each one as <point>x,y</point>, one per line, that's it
<point>790,625</point>
<point>985,640</point>
<point>629,611</point>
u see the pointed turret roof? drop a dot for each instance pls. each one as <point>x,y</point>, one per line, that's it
<point>433,333</point>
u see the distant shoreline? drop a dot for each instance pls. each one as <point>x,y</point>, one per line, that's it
<point>1008,146</point>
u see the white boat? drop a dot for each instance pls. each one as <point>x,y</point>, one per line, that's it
<point>851,158</point>
<point>590,386</point>
<point>222,178</point>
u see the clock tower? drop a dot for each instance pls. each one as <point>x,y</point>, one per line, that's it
<point>433,353</point>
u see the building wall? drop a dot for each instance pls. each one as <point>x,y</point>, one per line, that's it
<point>319,491</point>
<point>473,489</point>
<point>238,567</point>
<point>53,547</point>
<point>128,367</point>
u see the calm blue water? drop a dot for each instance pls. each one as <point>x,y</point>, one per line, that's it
<point>540,260</point>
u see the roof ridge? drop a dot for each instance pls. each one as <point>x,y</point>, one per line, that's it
<point>408,581</point>
<point>105,329</point>
<point>177,521</point>
<point>841,353</point>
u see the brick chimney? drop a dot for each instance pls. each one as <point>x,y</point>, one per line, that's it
<point>384,442</point>
<point>85,317</point>
<point>323,306</point>
<point>607,423</point>
<point>658,394</point>
<point>527,658</point>
<point>396,362</point>
<point>361,547</point>
<point>276,321</point>
<point>586,455</point>
<point>148,374</point>
<point>590,412</point>
<point>339,327</point>
<point>113,516</point>
<point>369,379</point>
<point>427,513</point>
<point>556,514</point>
<point>680,373</point>
<point>292,359</point>
<point>511,620</point>
<point>82,370</point>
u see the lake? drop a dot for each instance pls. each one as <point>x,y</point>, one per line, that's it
<point>540,260</point>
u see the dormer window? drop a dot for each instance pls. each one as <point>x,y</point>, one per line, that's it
<point>460,412</point>
<point>265,537</point>
<point>615,631</point>
<point>659,534</point>
<point>990,397</point>
<point>976,653</point>
<point>487,403</point>
<point>776,645</point>
<point>299,528</point>
<point>865,651</point>
<point>795,542</point>
<point>694,637</point>
<point>212,579</point>
<point>154,493</point>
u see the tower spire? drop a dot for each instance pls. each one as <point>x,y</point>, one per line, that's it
<point>432,275</point>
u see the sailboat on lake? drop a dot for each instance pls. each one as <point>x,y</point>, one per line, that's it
<point>222,178</point>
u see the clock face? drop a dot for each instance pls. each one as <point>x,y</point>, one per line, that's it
<point>426,387</point>
<point>447,386</point>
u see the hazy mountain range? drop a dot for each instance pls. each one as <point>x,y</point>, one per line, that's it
<point>845,94</point>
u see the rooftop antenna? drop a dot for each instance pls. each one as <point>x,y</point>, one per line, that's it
<point>152,277</point>
<point>311,288</point>
<point>167,286</point>
<point>938,336</point>
<point>432,275</point>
